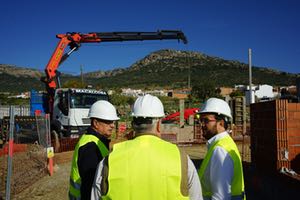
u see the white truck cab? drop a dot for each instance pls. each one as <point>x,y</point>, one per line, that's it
<point>70,110</point>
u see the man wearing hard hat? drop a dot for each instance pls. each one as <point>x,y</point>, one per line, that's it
<point>91,148</point>
<point>221,172</point>
<point>146,167</point>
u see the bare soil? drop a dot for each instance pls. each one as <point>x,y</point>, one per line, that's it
<point>49,187</point>
<point>30,178</point>
<point>56,187</point>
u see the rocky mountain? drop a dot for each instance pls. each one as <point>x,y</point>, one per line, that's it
<point>20,71</point>
<point>164,68</point>
<point>170,68</point>
<point>101,74</point>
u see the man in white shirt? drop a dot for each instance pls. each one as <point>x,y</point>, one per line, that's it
<point>221,172</point>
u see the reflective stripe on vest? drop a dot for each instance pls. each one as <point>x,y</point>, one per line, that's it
<point>146,167</point>
<point>75,179</point>
<point>237,184</point>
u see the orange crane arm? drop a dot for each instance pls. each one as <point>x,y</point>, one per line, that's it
<point>74,40</point>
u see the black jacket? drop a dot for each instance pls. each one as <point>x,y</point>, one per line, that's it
<point>89,157</point>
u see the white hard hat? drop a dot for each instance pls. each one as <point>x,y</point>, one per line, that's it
<point>103,110</point>
<point>148,106</point>
<point>218,106</point>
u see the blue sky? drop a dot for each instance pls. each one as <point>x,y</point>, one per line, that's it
<point>222,28</point>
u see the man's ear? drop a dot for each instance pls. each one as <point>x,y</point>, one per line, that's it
<point>222,124</point>
<point>94,123</point>
<point>158,126</point>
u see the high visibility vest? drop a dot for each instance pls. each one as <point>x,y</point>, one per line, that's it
<point>237,184</point>
<point>147,168</point>
<point>75,179</point>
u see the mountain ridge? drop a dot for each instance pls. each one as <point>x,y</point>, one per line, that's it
<point>162,68</point>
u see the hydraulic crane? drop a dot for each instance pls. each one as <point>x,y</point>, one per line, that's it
<point>74,40</point>
<point>62,104</point>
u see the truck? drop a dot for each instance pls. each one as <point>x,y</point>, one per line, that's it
<point>68,107</point>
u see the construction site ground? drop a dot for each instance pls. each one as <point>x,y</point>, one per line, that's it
<point>56,186</point>
<point>32,181</point>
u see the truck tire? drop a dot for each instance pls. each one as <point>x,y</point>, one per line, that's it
<point>56,126</point>
<point>56,144</point>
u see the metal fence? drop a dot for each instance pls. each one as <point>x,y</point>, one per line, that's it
<point>20,110</point>
<point>23,161</point>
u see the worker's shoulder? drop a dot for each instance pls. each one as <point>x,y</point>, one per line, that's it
<point>219,149</point>
<point>89,146</point>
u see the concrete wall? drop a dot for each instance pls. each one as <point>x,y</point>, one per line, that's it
<point>173,133</point>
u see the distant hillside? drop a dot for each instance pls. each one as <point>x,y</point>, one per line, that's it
<point>20,71</point>
<point>21,79</point>
<point>18,79</point>
<point>169,68</point>
<point>164,68</point>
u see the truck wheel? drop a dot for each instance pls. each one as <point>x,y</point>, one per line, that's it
<point>56,126</point>
<point>55,136</point>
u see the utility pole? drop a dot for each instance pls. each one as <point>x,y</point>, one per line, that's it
<point>81,74</point>
<point>251,100</point>
<point>189,71</point>
<point>189,76</point>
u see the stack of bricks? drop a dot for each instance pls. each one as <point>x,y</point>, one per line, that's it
<point>275,135</point>
<point>293,127</point>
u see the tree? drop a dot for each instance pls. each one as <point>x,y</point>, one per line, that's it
<point>118,99</point>
<point>130,100</point>
<point>204,91</point>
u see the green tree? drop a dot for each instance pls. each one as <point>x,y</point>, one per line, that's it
<point>130,101</point>
<point>204,91</point>
<point>170,104</point>
<point>117,99</point>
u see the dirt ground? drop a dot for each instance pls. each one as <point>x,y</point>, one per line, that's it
<point>30,178</point>
<point>56,186</point>
<point>34,183</point>
<point>49,187</point>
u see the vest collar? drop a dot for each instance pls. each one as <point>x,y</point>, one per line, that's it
<point>148,134</point>
<point>91,131</point>
<point>216,138</point>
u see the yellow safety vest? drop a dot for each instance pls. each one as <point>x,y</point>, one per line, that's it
<point>75,179</point>
<point>145,168</point>
<point>237,184</point>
